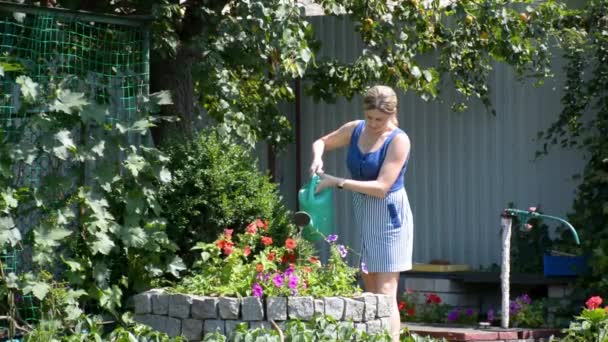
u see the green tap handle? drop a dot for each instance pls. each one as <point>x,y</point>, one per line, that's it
<point>525,215</point>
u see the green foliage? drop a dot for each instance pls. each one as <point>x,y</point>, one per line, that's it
<point>94,217</point>
<point>590,325</point>
<point>91,328</point>
<point>216,185</point>
<point>583,124</point>
<point>320,328</point>
<point>253,264</point>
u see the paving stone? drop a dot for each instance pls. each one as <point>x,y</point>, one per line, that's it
<point>160,304</point>
<point>276,308</point>
<point>173,326</point>
<point>229,307</point>
<point>361,327</point>
<point>319,307</point>
<point>212,325</point>
<point>252,309</point>
<point>371,305</point>
<point>179,305</point>
<point>192,329</point>
<point>353,310</point>
<point>143,301</point>
<point>204,307</point>
<point>374,327</point>
<point>384,306</point>
<point>300,308</point>
<point>334,306</point>
<point>155,322</point>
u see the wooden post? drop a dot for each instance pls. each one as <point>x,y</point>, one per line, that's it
<point>505,222</point>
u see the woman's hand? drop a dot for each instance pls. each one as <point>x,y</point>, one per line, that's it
<point>327,181</point>
<point>316,167</point>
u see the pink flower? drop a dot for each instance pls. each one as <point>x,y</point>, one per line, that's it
<point>532,209</point>
<point>528,226</point>
<point>594,302</point>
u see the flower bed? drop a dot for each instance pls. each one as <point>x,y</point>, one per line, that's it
<point>194,316</point>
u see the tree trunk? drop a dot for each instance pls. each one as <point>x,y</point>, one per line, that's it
<point>175,75</point>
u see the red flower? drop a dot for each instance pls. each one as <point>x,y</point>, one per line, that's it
<point>247,251</point>
<point>433,299</point>
<point>251,229</point>
<point>266,241</point>
<point>290,243</point>
<point>261,224</point>
<point>259,268</point>
<point>594,302</point>
<point>228,233</point>
<point>313,260</point>
<point>401,305</point>
<point>221,244</point>
<point>307,269</point>
<point>228,249</point>
<point>271,256</point>
<point>410,312</point>
<point>408,290</point>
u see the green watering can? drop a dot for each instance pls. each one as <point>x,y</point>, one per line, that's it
<point>317,211</point>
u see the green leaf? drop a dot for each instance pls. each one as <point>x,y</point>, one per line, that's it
<point>9,198</point>
<point>165,175</point>
<point>96,113</point>
<point>67,102</point>
<point>132,236</point>
<point>135,163</point>
<point>175,266</point>
<point>111,298</point>
<point>103,244</point>
<point>29,88</point>
<point>37,288</point>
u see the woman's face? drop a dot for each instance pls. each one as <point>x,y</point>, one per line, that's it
<point>376,120</point>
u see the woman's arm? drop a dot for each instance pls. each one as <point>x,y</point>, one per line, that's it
<point>336,139</point>
<point>396,156</point>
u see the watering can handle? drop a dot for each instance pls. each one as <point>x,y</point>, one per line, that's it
<point>311,187</point>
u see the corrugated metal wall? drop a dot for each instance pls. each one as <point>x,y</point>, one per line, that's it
<point>464,167</point>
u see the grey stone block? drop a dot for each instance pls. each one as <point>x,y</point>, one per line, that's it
<point>155,322</point>
<point>252,309</point>
<point>334,306</point>
<point>260,324</point>
<point>231,325</point>
<point>229,307</point>
<point>179,305</point>
<point>371,304</point>
<point>192,329</point>
<point>276,308</point>
<point>204,308</point>
<point>213,325</point>
<point>160,304</point>
<point>361,327</point>
<point>384,306</point>
<point>300,308</point>
<point>319,307</point>
<point>173,326</point>
<point>143,301</point>
<point>374,327</point>
<point>353,310</point>
<point>385,322</point>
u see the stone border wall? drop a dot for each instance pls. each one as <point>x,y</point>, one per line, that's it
<point>194,316</point>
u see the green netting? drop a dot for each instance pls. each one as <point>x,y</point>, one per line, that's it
<point>113,58</point>
<point>27,305</point>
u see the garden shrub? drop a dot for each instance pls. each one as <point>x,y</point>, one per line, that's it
<point>591,324</point>
<point>217,185</point>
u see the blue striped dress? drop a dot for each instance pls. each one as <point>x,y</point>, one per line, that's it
<point>386,224</point>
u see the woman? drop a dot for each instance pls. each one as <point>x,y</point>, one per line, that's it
<point>378,152</point>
